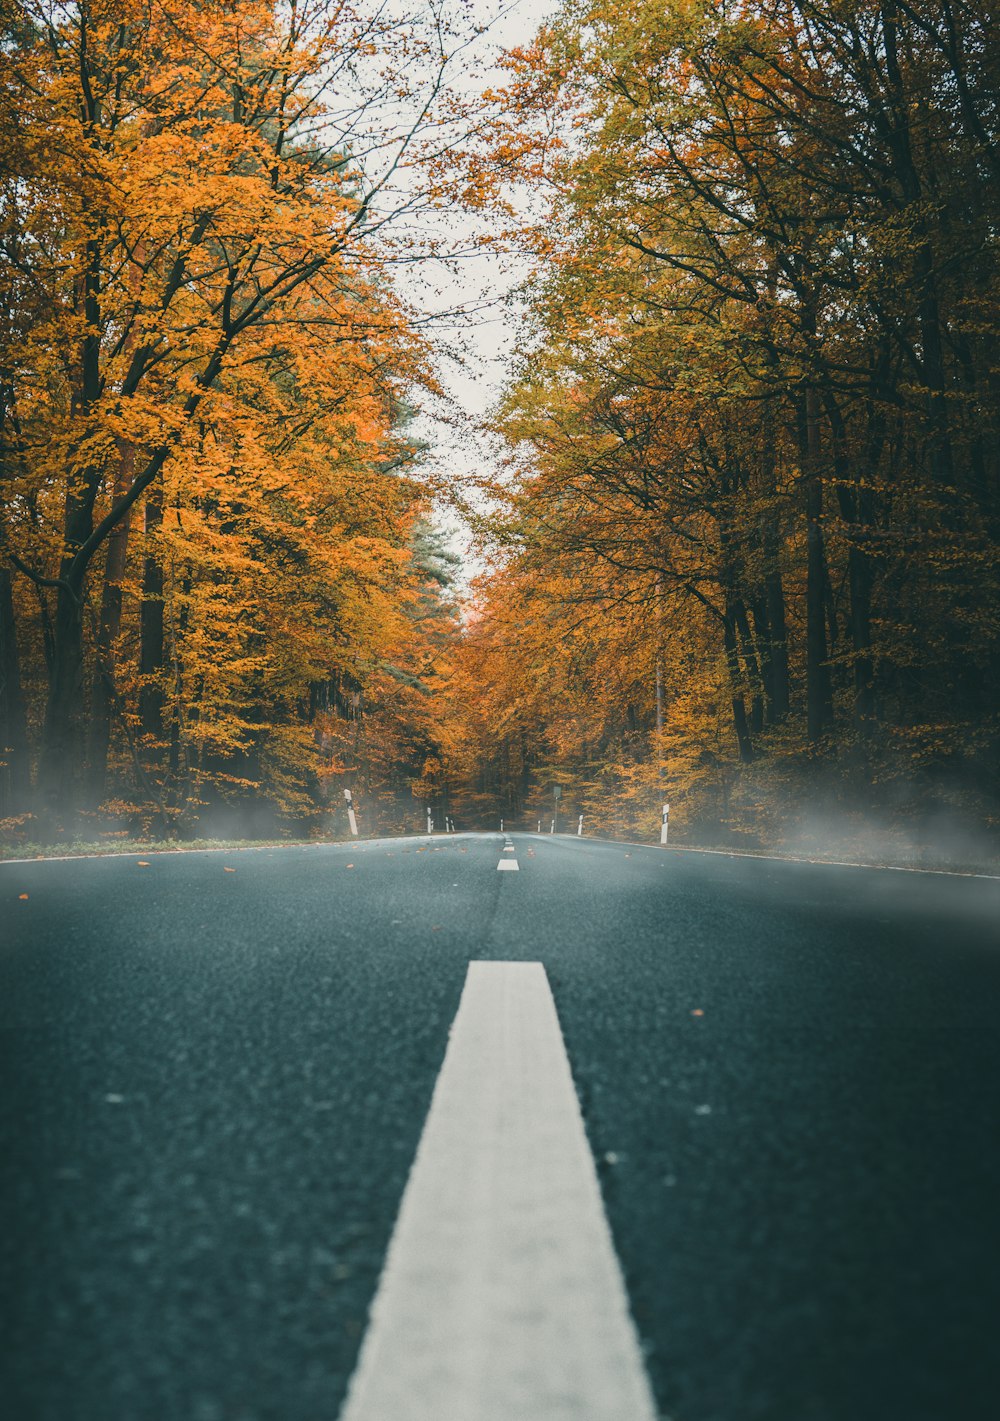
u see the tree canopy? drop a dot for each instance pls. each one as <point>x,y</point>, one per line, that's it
<point>744,542</point>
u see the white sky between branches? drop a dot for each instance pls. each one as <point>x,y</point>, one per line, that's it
<point>474,348</point>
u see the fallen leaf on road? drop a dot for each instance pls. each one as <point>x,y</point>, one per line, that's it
<point>142,863</point>
<point>697,1012</point>
<point>228,870</point>
<point>348,865</point>
<point>23,897</point>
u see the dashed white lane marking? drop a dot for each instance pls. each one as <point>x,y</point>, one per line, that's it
<point>509,864</point>
<point>501,1297</point>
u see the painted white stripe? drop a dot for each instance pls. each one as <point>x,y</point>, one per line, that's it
<point>501,1297</point>
<point>509,864</point>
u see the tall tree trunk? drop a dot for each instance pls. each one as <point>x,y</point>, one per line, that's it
<point>925,265</point>
<point>744,739</point>
<point>775,597</point>
<point>15,769</point>
<point>859,574</point>
<point>819,693</point>
<point>102,694</point>
<point>61,736</point>
<point>660,697</point>
<point>856,510</point>
<point>773,642</point>
<point>151,621</point>
<point>753,666</point>
<point>62,733</point>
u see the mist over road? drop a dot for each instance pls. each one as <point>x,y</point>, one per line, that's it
<point>217,1067</point>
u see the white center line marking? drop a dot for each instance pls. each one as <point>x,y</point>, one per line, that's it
<point>501,1298</point>
<point>508,864</point>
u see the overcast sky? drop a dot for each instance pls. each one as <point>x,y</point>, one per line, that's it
<point>479,345</point>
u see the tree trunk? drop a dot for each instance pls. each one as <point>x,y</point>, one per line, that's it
<point>15,770</point>
<point>740,723</point>
<point>925,265</point>
<point>769,615</point>
<point>151,622</point>
<point>856,510</point>
<point>62,733</point>
<point>753,667</point>
<point>61,737</point>
<point>819,694</point>
<point>102,695</point>
<point>660,696</point>
<point>859,572</point>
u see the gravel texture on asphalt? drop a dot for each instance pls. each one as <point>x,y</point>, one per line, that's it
<point>216,1069</point>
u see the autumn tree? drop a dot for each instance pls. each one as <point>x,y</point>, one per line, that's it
<point>757,372</point>
<point>198,207</point>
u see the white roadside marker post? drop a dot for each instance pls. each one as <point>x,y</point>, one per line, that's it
<point>579,827</point>
<point>552,827</point>
<point>350,813</point>
<point>501,826</point>
<point>539,826</point>
<point>665,825</point>
<point>430,822</point>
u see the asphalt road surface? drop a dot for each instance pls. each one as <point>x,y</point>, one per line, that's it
<point>216,1070</point>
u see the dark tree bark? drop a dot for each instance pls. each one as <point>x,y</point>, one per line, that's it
<point>771,610</point>
<point>15,769</point>
<point>753,667</point>
<point>102,693</point>
<point>151,621</point>
<point>741,724</point>
<point>855,502</point>
<point>819,692</point>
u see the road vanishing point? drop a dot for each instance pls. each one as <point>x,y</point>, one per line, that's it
<point>488,1127</point>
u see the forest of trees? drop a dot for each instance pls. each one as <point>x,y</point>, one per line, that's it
<point>221,598</point>
<point>742,551</point>
<point>747,546</point>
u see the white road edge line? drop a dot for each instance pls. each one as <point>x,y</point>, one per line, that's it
<point>501,1296</point>
<point>769,858</point>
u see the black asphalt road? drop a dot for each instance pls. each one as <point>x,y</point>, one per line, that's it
<point>214,1082</point>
